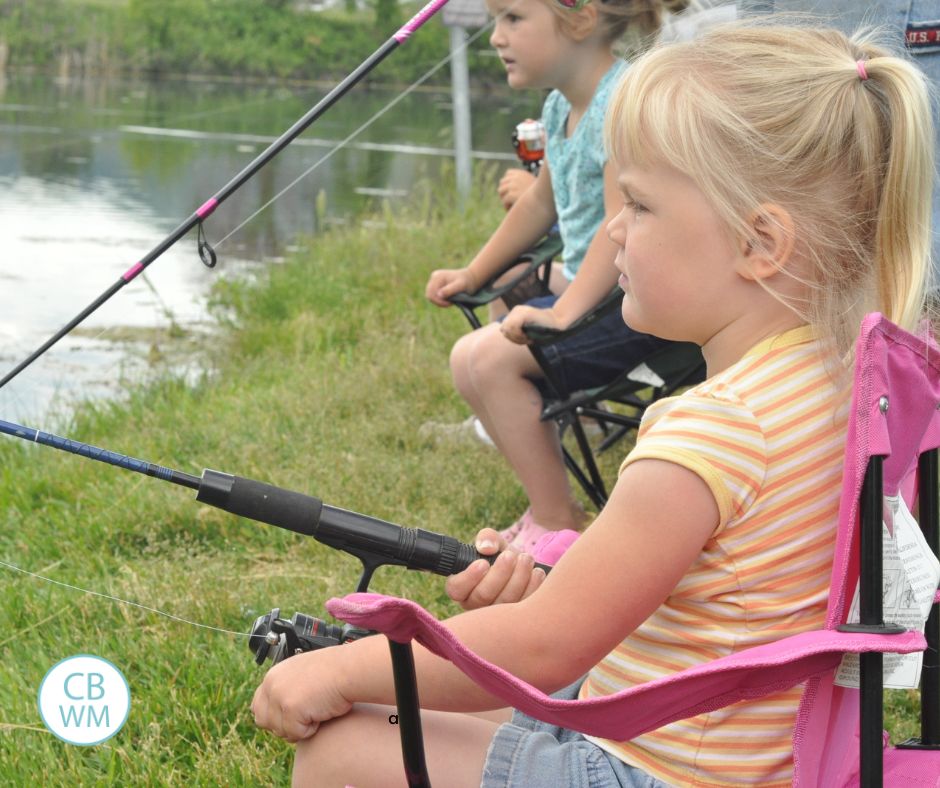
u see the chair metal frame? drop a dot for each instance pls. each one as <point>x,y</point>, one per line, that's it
<point>630,388</point>
<point>871,620</point>
<point>537,261</point>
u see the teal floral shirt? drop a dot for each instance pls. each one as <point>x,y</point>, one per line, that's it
<point>576,164</point>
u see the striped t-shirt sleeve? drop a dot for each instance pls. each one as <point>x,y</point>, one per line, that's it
<point>717,439</point>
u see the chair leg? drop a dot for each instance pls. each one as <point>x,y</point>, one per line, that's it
<point>871,613</point>
<point>598,497</point>
<point>928,502</point>
<point>409,715</point>
<point>587,454</point>
<point>930,675</point>
<point>871,765</point>
<point>871,619</point>
<point>614,437</point>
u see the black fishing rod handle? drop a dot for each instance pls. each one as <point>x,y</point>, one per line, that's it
<point>262,502</point>
<point>375,542</point>
<point>378,542</point>
<point>452,557</point>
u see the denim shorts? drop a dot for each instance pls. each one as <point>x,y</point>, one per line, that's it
<point>596,355</point>
<point>527,753</point>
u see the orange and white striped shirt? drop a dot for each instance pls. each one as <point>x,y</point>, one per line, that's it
<point>767,436</point>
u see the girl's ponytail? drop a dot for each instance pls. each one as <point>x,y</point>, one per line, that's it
<point>902,238</point>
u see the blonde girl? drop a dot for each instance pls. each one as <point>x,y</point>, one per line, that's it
<point>775,184</point>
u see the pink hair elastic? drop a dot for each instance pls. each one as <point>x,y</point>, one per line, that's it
<point>860,66</point>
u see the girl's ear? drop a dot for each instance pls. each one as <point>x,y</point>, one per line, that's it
<point>581,23</point>
<point>769,246</point>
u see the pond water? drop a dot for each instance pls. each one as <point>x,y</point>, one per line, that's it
<point>95,173</point>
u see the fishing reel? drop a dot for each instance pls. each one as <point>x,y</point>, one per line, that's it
<point>528,139</point>
<point>275,638</point>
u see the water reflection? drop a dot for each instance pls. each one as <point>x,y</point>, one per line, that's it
<point>84,193</point>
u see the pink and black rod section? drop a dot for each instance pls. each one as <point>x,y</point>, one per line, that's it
<point>206,209</point>
<point>373,541</point>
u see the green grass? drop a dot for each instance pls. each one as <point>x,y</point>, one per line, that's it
<point>319,380</point>
<point>325,372</point>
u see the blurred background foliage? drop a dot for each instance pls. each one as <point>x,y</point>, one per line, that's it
<point>238,38</point>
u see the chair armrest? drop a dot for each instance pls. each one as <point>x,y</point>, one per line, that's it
<point>748,674</point>
<point>542,254</point>
<point>543,335</point>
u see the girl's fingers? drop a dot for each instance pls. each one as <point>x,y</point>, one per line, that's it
<point>517,585</point>
<point>489,542</point>
<point>535,580</point>
<point>488,590</point>
<point>460,586</point>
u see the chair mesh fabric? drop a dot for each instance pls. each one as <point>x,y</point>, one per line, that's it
<point>904,369</point>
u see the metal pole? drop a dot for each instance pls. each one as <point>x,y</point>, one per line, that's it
<point>460,90</point>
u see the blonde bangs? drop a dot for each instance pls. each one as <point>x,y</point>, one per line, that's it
<point>641,114</point>
<point>664,113</point>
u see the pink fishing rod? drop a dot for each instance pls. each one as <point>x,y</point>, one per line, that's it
<point>207,208</point>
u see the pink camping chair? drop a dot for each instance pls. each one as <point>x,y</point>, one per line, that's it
<point>893,437</point>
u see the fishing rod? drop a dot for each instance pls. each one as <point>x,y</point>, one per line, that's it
<point>373,541</point>
<point>206,253</point>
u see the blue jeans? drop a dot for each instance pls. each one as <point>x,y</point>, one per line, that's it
<point>595,356</point>
<point>527,753</point>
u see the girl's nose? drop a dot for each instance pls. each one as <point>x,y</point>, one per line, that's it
<point>496,37</point>
<point>614,229</point>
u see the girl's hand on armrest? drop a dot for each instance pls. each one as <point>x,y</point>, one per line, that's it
<point>446,282</point>
<point>512,326</point>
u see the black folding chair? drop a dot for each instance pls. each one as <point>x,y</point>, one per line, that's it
<point>620,403</point>
<point>660,374</point>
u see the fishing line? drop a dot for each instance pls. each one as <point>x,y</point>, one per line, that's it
<point>369,561</point>
<point>122,601</point>
<point>171,616</point>
<point>329,154</point>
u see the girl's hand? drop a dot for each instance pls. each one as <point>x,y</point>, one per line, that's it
<point>298,694</point>
<point>512,577</point>
<point>446,282</point>
<point>512,326</point>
